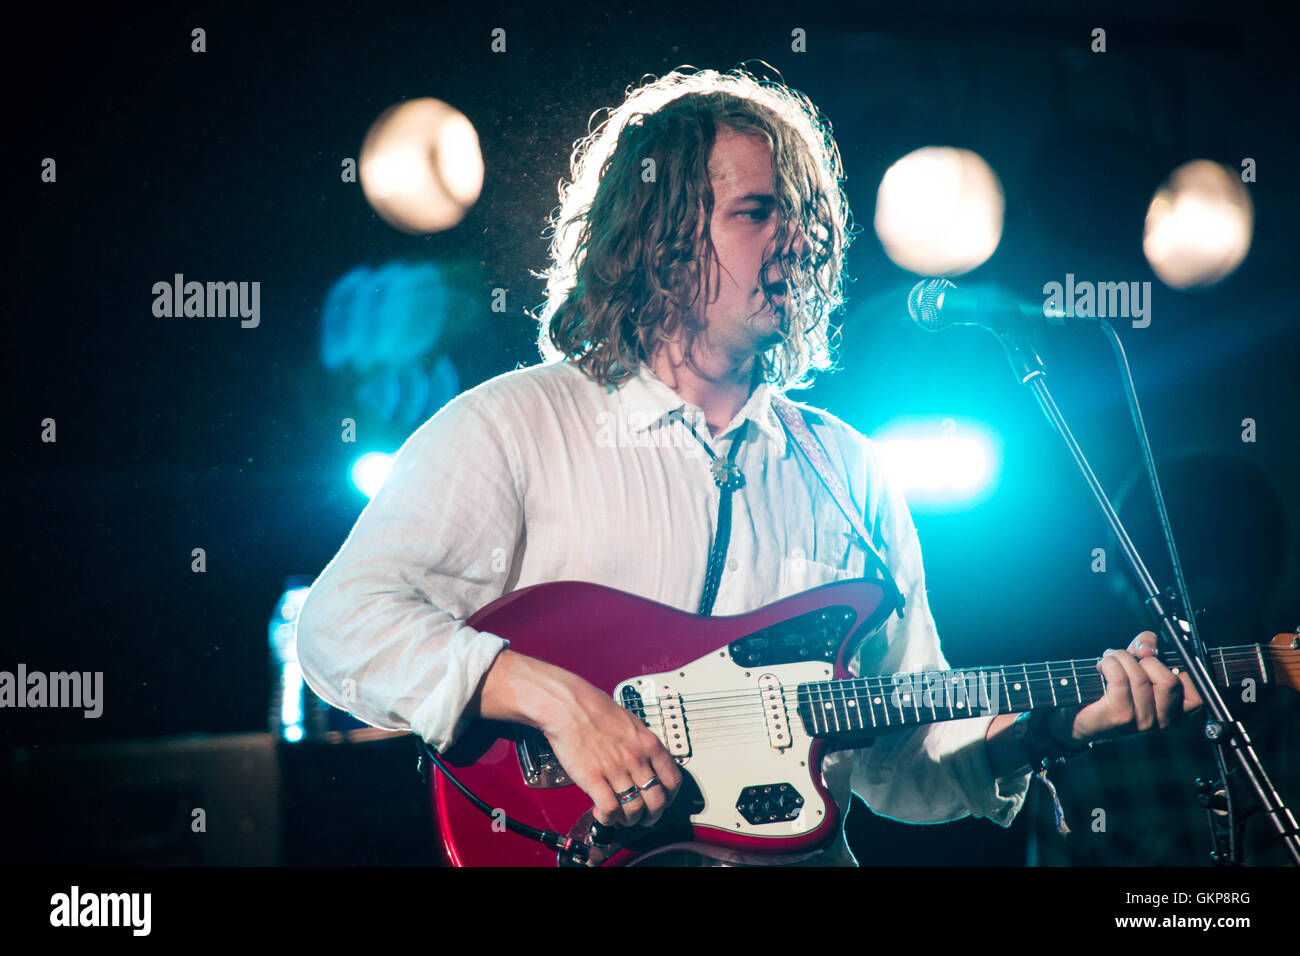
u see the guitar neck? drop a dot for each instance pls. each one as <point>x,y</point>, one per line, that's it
<point>870,705</point>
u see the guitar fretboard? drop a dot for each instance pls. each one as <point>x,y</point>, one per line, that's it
<point>877,704</point>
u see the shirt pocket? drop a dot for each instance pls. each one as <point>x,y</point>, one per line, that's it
<point>803,574</point>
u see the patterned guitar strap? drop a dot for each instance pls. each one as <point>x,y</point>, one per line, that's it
<point>815,452</point>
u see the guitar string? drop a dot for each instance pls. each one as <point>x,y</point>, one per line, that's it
<point>906,716</point>
<point>913,701</point>
<point>752,726</point>
<point>883,710</point>
<point>754,697</point>
<point>752,714</point>
<point>752,708</point>
<point>1046,681</point>
<point>832,717</point>
<point>821,690</point>
<point>1020,674</point>
<point>744,719</point>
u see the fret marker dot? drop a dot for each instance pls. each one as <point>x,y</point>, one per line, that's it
<point>1064,682</point>
<point>876,700</point>
<point>1016,686</point>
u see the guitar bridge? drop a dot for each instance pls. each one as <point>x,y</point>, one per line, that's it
<point>537,762</point>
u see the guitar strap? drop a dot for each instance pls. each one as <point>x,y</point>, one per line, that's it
<point>815,452</point>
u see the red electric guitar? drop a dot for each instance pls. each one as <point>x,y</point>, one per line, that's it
<point>748,705</point>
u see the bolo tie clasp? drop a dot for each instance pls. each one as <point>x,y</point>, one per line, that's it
<point>726,475</point>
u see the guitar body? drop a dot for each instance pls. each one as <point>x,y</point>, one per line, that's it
<point>718,691</point>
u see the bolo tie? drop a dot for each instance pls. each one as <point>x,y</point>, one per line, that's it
<point>727,476</point>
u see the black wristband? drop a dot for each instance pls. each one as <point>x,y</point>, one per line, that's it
<point>1032,731</point>
<point>1070,748</point>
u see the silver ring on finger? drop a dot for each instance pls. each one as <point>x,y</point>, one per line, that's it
<point>628,795</point>
<point>653,782</point>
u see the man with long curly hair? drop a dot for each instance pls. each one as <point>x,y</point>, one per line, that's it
<point>696,262</point>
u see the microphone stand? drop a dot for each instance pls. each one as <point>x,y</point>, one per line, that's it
<point>1221,727</point>
<point>1228,830</point>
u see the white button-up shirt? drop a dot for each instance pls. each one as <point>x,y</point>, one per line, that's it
<point>540,474</point>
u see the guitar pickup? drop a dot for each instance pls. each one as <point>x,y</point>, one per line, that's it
<point>675,737</point>
<point>774,712</point>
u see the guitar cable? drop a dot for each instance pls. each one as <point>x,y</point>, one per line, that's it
<point>577,851</point>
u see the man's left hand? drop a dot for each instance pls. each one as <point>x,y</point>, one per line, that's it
<point>1142,694</point>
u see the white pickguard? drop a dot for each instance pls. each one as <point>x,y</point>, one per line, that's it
<point>731,744</point>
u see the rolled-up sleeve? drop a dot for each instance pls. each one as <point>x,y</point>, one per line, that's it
<point>382,634</point>
<point>938,772</point>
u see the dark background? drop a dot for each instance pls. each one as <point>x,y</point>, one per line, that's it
<point>225,166</point>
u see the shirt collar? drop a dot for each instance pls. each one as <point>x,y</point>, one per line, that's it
<point>649,401</point>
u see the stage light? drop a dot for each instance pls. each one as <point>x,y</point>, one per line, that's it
<point>421,167</point>
<point>1199,225</point>
<point>938,464</point>
<point>939,211</point>
<point>291,702</point>
<point>295,710</point>
<point>369,472</point>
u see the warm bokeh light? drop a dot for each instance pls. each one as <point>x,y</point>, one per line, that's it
<point>939,211</point>
<point>421,167</point>
<point>1199,225</point>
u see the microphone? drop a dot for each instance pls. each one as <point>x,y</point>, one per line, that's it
<point>936,304</point>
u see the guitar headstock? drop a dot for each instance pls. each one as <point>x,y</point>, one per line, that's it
<point>1284,654</point>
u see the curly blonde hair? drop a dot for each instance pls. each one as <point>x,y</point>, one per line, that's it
<point>625,266</point>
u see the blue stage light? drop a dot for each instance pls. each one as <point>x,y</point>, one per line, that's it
<point>295,710</point>
<point>939,463</point>
<point>369,472</point>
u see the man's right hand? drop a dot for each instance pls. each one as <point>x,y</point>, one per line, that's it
<point>604,748</point>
